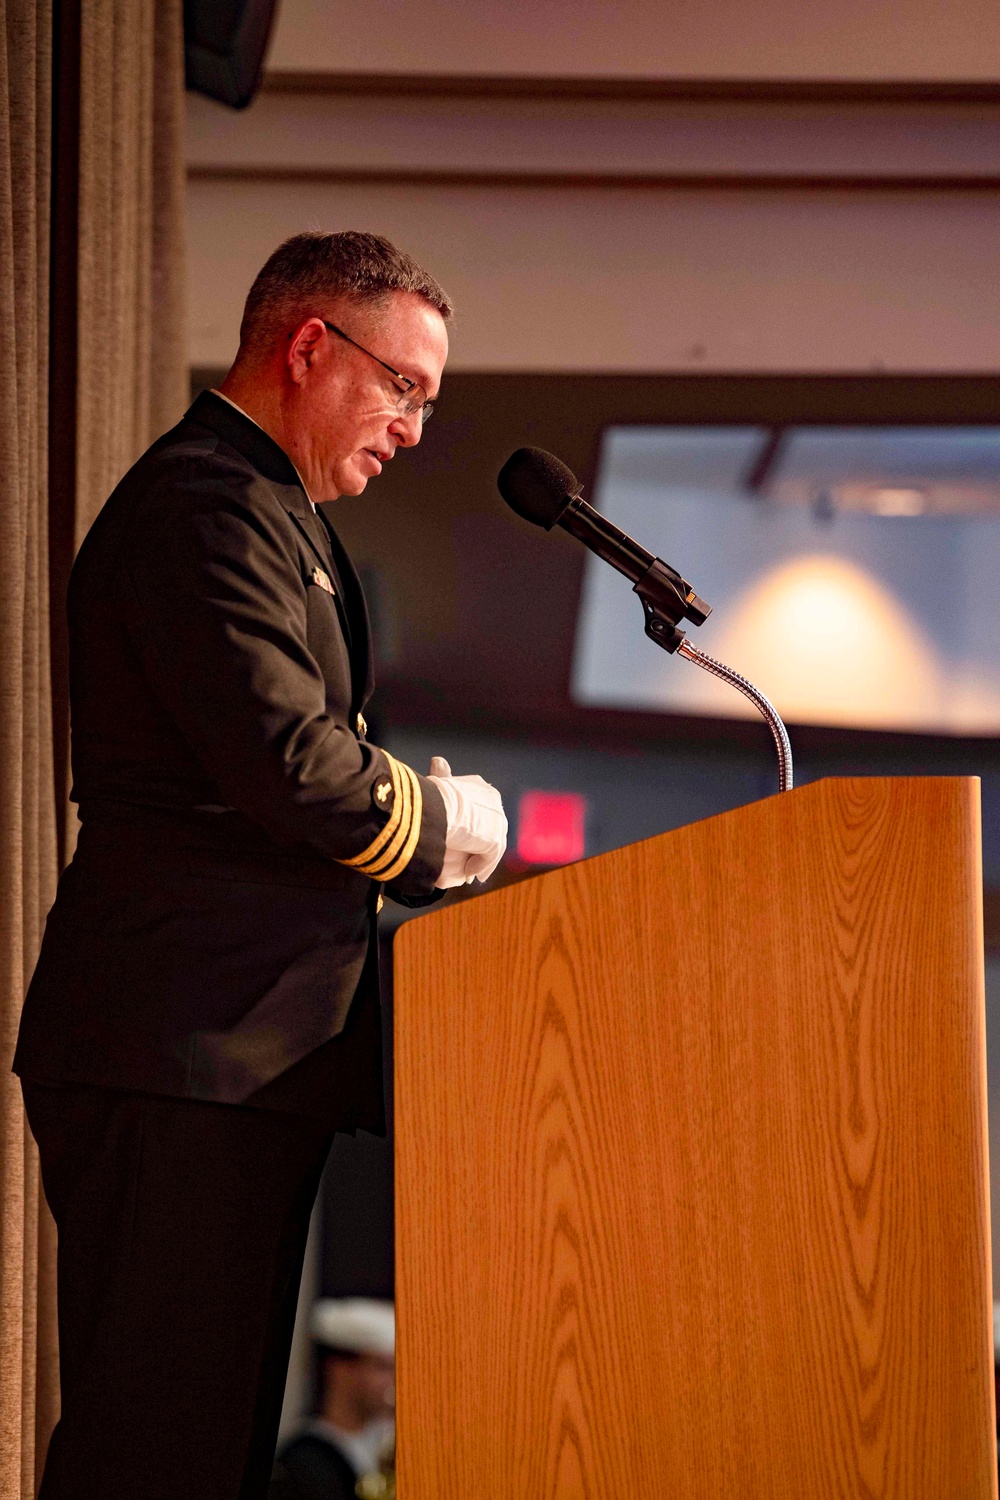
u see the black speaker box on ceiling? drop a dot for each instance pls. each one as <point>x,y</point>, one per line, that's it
<point>224,46</point>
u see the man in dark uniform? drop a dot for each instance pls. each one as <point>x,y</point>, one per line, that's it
<point>204,1013</point>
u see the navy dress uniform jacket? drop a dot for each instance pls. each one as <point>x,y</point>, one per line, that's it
<point>312,1468</point>
<point>218,918</point>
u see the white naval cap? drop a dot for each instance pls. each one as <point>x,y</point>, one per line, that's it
<point>357,1323</point>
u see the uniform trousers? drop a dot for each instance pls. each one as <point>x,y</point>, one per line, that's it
<point>182,1230</point>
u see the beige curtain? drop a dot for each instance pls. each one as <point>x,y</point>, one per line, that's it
<point>132,373</point>
<point>27,798</point>
<point>132,381</point>
<point>130,385</point>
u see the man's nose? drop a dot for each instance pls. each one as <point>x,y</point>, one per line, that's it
<point>407,430</point>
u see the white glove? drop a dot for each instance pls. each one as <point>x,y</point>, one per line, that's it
<point>477,828</point>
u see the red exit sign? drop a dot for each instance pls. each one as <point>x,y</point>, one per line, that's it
<point>550,827</point>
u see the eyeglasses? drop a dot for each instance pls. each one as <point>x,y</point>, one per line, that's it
<point>413,399</point>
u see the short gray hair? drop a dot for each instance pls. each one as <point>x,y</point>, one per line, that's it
<point>319,266</point>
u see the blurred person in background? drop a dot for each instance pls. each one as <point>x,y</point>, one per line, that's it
<point>350,1437</point>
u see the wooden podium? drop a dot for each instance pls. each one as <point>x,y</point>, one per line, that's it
<point>692,1168</point>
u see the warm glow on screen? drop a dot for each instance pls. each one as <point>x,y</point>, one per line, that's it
<point>859,586</point>
<point>831,644</point>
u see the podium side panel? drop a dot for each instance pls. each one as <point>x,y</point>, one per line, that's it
<point>691,1165</point>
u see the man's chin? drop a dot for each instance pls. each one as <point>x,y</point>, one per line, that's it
<point>352,474</point>
<point>350,483</point>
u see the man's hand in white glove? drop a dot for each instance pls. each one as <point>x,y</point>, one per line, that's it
<point>477,828</point>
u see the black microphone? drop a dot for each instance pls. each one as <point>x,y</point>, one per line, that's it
<point>545,492</point>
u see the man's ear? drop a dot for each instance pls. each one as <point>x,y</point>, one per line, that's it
<point>303,345</point>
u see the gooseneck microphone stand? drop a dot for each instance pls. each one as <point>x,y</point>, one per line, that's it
<point>763,705</point>
<point>666,599</point>
<point>661,627</point>
<point>540,488</point>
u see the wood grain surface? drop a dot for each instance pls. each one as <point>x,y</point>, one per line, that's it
<point>691,1165</point>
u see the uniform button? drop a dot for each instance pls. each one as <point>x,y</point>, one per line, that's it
<point>383,794</point>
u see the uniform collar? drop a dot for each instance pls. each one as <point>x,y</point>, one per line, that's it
<point>231,423</point>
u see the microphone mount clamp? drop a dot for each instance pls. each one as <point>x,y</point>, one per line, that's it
<point>665,605</point>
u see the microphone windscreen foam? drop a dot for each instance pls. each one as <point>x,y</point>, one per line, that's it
<point>537,485</point>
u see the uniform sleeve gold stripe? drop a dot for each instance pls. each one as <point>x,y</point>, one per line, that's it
<point>411,843</point>
<point>387,831</point>
<point>387,860</point>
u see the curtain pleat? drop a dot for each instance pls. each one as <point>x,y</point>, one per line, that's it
<point>132,373</point>
<point>28,860</point>
<point>132,370</point>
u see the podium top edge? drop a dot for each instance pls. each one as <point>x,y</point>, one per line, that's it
<point>963,789</point>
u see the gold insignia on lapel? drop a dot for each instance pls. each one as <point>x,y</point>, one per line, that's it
<point>323,579</point>
<point>362,726</point>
